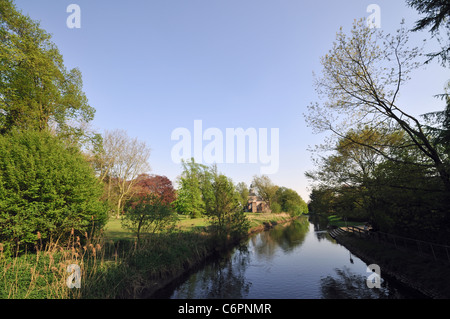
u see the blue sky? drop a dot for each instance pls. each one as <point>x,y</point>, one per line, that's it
<point>150,67</point>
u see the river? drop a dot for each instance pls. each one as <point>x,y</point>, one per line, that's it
<point>298,260</point>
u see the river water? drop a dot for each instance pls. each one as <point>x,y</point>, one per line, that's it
<point>298,260</point>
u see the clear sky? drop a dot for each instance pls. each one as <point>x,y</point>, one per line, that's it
<point>151,66</point>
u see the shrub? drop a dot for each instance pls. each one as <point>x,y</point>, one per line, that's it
<point>47,190</point>
<point>148,213</point>
<point>275,207</point>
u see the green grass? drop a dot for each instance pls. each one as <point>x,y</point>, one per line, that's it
<point>257,219</point>
<point>185,223</point>
<point>114,230</point>
<point>337,221</point>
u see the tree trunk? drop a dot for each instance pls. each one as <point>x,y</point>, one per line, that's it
<point>119,205</point>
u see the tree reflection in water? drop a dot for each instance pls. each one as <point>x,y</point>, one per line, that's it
<point>225,278</point>
<point>287,237</point>
<point>295,260</point>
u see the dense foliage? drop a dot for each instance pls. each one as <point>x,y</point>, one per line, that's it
<point>205,192</point>
<point>223,206</point>
<point>46,190</point>
<point>189,196</point>
<point>290,202</point>
<point>36,90</point>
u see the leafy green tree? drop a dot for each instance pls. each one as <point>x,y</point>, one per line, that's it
<point>191,190</point>
<point>265,188</point>
<point>322,201</point>
<point>36,90</point>
<point>148,213</point>
<point>45,188</point>
<point>397,194</point>
<point>223,206</point>
<point>438,124</point>
<point>291,202</point>
<point>349,169</point>
<point>203,191</point>
<point>243,191</point>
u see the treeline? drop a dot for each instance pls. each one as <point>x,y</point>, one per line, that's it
<point>203,191</point>
<point>382,164</point>
<point>279,198</point>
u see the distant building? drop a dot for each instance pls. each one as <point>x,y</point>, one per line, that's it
<point>256,204</point>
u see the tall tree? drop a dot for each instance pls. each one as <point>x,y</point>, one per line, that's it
<point>265,188</point>
<point>223,206</point>
<point>120,161</point>
<point>36,90</point>
<point>243,191</point>
<point>158,185</point>
<point>191,189</point>
<point>362,77</point>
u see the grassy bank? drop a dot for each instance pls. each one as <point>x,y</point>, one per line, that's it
<point>337,221</point>
<point>432,278</point>
<point>113,265</point>
<point>114,230</point>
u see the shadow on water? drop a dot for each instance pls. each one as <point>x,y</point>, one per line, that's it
<point>295,260</point>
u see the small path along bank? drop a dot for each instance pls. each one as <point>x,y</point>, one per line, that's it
<point>429,277</point>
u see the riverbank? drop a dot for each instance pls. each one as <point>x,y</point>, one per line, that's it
<point>113,265</point>
<point>258,223</point>
<point>430,278</point>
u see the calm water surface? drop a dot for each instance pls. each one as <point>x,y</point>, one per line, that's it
<point>295,261</point>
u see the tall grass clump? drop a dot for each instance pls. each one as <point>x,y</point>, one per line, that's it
<point>43,272</point>
<point>108,269</point>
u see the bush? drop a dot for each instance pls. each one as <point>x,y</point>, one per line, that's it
<point>148,213</point>
<point>47,190</point>
<point>275,208</point>
<point>291,202</point>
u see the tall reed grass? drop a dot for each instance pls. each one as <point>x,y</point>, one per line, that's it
<point>121,269</point>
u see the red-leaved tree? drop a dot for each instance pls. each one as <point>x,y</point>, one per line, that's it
<point>158,185</point>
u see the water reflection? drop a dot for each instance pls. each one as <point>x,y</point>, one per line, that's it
<point>221,279</point>
<point>297,260</point>
<point>284,237</point>
<point>349,285</point>
<point>320,223</point>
